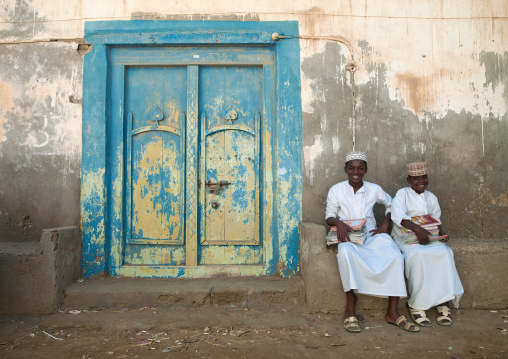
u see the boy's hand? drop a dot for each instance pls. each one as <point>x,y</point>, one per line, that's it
<point>422,235</point>
<point>383,228</point>
<point>342,230</point>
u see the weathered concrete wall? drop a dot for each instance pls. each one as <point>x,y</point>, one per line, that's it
<point>465,148</point>
<point>431,84</point>
<point>426,88</point>
<point>40,129</point>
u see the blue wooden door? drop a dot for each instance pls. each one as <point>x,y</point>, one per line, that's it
<point>191,157</point>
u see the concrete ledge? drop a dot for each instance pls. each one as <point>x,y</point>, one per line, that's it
<point>482,265</point>
<point>34,275</point>
<point>483,269</point>
<point>117,292</point>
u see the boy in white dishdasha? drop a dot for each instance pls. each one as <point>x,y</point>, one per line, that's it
<point>430,269</point>
<point>375,267</point>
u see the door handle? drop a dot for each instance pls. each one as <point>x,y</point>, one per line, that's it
<point>215,187</point>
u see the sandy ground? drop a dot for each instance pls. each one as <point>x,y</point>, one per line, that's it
<point>217,332</point>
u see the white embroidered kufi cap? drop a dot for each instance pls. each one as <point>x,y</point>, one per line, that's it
<point>417,168</point>
<point>356,155</point>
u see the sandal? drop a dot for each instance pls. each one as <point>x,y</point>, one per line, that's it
<point>419,317</point>
<point>351,325</point>
<point>407,326</point>
<point>444,313</point>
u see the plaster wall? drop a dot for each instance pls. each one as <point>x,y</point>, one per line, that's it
<point>431,83</point>
<point>40,138</point>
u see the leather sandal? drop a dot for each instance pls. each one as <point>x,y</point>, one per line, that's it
<point>419,317</point>
<point>351,325</point>
<point>444,313</point>
<point>407,326</point>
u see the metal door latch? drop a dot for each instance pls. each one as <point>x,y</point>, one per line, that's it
<point>215,187</point>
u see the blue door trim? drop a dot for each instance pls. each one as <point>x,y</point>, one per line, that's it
<point>286,174</point>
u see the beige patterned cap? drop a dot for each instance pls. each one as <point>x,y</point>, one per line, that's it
<point>417,168</point>
<point>356,155</point>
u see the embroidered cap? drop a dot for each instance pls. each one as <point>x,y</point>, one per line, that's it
<point>356,155</point>
<point>417,168</point>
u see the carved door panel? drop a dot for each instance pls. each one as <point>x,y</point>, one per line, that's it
<point>155,165</point>
<point>230,104</point>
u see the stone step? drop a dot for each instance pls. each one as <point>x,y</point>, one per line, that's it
<point>33,275</point>
<point>119,292</point>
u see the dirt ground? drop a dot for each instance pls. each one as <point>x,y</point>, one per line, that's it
<point>218,332</point>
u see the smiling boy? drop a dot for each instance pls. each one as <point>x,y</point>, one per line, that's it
<point>375,267</point>
<point>430,269</point>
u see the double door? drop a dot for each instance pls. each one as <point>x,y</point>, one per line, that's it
<point>190,161</point>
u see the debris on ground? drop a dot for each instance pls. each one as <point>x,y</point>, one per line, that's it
<point>235,333</point>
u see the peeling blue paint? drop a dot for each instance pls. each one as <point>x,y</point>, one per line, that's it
<point>281,201</point>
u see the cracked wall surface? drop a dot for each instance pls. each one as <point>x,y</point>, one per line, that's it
<point>40,138</point>
<point>431,84</point>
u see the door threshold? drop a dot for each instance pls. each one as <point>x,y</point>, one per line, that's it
<point>204,271</point>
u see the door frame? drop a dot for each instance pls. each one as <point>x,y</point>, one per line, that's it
<point>285,178</point>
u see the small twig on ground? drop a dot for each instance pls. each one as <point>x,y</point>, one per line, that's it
<point>49,335</point>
